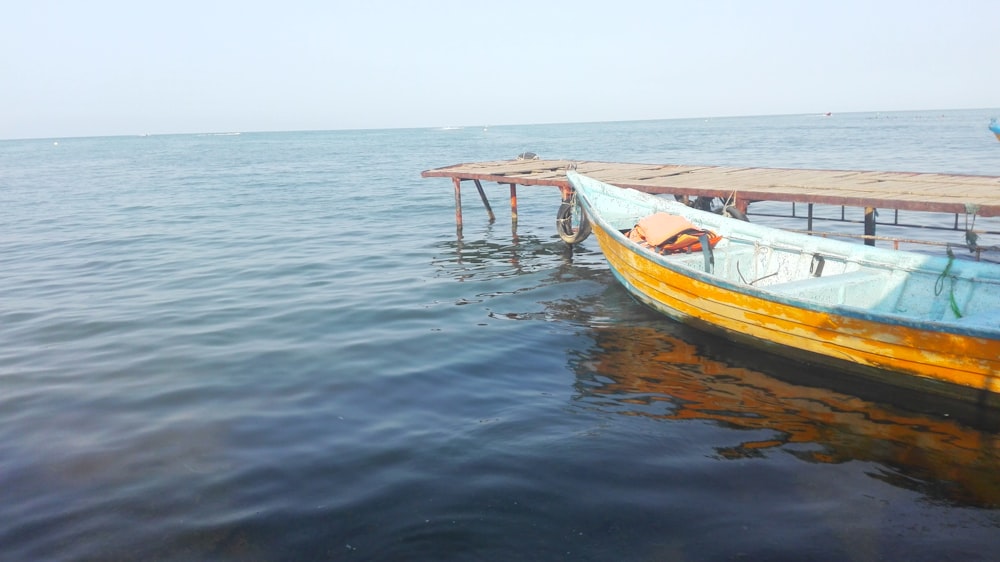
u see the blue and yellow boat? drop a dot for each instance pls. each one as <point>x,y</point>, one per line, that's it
<point>930,322</point>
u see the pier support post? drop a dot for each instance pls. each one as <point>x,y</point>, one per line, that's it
<point>869,226</point>
<point>458,202</point>
<point>486,203</point>
<point>513,204</point>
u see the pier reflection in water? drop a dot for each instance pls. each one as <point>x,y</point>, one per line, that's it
<point>661,372</point>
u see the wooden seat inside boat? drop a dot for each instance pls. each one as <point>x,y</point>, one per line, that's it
<point>862,287</point>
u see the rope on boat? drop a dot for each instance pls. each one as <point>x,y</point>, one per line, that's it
<point>939,285</point>
<point>744,279</point>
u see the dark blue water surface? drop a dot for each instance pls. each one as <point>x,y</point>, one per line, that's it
<point>276,346</point>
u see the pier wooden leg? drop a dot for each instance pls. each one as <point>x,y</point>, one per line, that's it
<point>869,225</point>
<point>513,205</point>
<point>458,201</point>
<point>486,203</point>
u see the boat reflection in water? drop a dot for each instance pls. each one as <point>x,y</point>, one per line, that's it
<point>951,456</point>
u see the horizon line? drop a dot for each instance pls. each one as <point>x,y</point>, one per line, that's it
<point>484,125</point>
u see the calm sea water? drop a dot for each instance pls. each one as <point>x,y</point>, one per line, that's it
<point>276,346</point>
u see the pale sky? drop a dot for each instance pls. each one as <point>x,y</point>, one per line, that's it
<point>101,67</point>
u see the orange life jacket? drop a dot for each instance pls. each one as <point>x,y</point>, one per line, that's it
<point>670,234</point>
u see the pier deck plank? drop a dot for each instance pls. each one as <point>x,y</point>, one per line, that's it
<point>912,191</point>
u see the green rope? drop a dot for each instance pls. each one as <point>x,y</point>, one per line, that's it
<point>951,300</point>
<point>939,285</point>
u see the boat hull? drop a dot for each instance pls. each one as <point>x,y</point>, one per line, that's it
<point>956,362</point>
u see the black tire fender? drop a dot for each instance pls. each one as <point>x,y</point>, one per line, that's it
<point>571,212</point>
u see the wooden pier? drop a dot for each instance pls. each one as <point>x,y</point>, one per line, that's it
<point>870,190</point>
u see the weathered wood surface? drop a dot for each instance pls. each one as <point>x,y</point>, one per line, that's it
<point>912,191</point>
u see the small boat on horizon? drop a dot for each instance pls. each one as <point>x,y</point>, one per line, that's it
<point>904,318</point>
